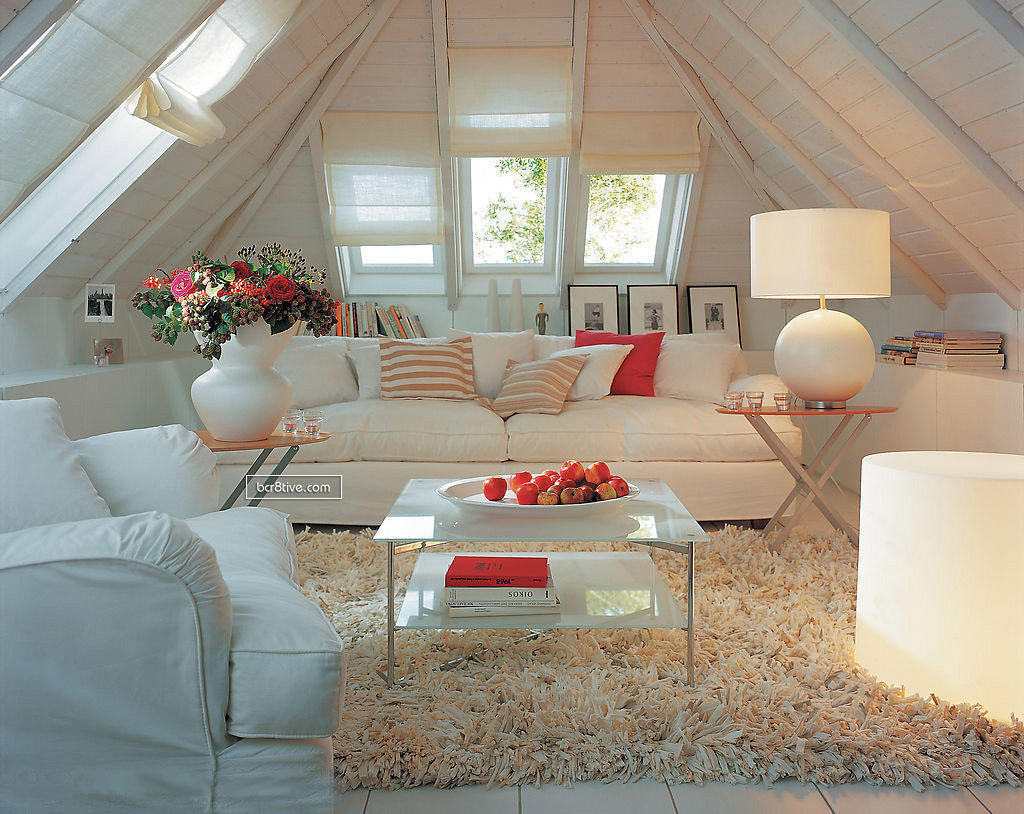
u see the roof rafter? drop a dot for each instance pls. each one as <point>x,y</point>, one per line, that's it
<point>680,270</point>
<point>248,134</point>
<point>298,131</point>
<point>336,277</point>
<point>641,11</point>
<point>1000,22</point>
<point>449,203</point>
<point>891,74</point>
<point>785,145</point>
<point>854,142</point>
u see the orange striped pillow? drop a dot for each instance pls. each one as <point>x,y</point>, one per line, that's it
<point>411,370</point>
<point>537,387</point>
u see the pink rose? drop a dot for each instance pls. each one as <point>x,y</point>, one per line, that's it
<point>182,285</point>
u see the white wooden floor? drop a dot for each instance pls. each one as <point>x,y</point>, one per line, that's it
<point>653,797</point>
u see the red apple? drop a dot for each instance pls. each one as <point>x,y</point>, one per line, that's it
<point>620,486</point>
<point>605,491</point>
<point>561,485</point>
<point>588,493</point>
<point>547,499</point>
<point>597,472</point>
<point>518,479</point>
<point>495,488</point>
<point>551,473</point>
<point>573,470</point>
<point>526,494</point>
<point>572,495</point>
<point>543,482</point>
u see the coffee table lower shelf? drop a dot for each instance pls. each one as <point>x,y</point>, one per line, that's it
<point>597,590</point>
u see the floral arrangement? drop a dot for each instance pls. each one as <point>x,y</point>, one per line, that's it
<point>215,298</point>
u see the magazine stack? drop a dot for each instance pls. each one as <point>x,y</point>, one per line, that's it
<point>499,586</point>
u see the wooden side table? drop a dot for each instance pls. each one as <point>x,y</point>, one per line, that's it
<point>805,483</point>
<point>276,440</point>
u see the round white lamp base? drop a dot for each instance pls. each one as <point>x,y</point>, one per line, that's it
<point>825,357</point>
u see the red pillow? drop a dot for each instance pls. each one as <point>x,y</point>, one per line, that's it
<point>636,374</point>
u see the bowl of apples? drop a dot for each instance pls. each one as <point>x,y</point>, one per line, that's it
<point>573,488</point>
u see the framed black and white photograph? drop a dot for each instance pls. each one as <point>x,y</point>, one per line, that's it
<point>714,309</point>
<point>593,308</point>
<point>99,303</point>
<point>653,308</point>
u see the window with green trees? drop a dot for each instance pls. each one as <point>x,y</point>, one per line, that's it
<point>509,209</point>
<point>623,218</point>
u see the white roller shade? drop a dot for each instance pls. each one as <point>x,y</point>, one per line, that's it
<point>178,96</point>
<point>510,101</point>
<point>383,178</point>
<point>663,143</point>
<point>82,66</point>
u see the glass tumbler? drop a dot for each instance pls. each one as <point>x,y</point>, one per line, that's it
<point>734,399</point>
<point>783,401</point>
<point>754,399</point>
<point>311,420</point>
<point>291,421</point>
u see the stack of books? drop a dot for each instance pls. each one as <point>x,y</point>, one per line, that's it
<point>499,586</point>
<point>899,350</point>
<point>369,319</point>
<point>960,349</point>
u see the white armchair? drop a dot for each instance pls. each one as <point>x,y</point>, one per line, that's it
<point>148,662</point>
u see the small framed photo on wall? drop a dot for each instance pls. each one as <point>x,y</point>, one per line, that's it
<point>713,309</point>
<point>653,308</point>
<point>593,308</point>
<point>99,303</point>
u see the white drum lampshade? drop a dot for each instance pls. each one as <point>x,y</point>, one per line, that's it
<point>825,357</point>
<point>939,598</point>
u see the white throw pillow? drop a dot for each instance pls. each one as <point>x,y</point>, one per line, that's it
<point>544,346</point>
<point>318,376</point>
<point>696,370</point>
<point>714,338</point>
<point>41,476</point>
<point>602,363</point>
<point>491,353</point>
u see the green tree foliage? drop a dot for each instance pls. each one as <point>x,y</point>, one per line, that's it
<point>617,204</point>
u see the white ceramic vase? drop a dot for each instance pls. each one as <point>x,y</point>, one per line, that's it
<point>241,397</point>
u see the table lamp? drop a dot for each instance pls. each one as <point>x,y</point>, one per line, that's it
<point>824,357</point>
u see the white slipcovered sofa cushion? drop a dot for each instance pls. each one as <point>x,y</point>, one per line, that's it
<point>440,430</point>
<point>287,661</point>
<point>689,369</point>
<point>491,354</point>
<point>165,469</point>
<point>41,475</point>
<point>319,374</point>
<point>636,428</point>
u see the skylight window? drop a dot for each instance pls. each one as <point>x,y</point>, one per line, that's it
<point>421,255</point>
<point>509,210</point>
<point>624,219</point>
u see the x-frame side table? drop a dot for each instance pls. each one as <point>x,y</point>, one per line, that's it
<point>811,490</point>
<point>276,440</point>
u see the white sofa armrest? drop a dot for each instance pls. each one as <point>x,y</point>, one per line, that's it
<point>767,383</point>
<point>166,469</point>
<point>116,635</point>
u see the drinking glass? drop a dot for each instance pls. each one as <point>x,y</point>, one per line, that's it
<point>291,421</point>
<point>311,420</point>
<point>755,398</point>
<point>783,401</point>
<point>734,399</point>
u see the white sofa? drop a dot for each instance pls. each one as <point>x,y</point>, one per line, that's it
<point>156,655</point>
<point>717,465</point>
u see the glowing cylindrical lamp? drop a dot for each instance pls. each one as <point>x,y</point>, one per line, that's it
<point>940,585</point>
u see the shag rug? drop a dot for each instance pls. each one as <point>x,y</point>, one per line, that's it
<point>777,692</point>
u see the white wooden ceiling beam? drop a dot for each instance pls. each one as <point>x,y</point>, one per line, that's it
<point>680,270</point>
<point>29,23</point>
<point>298,131</point>
<point>568,247</point>
<point>449,194</point>
<point>785,145</point>
<point>641,11</point>
<point>854,142</point>
<point>975,158</point>
<point>998,21</point>
<point>231,151</point>
<point>336,282</point>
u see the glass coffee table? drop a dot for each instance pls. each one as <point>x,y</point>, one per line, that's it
<point>621,589</point>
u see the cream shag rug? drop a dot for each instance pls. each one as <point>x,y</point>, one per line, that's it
<point>777,693</point>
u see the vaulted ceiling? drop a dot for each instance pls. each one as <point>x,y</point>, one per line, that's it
<point>915,107</point>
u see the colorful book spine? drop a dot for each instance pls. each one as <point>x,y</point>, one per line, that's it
<point>495,572</point>
<point>459,595</point>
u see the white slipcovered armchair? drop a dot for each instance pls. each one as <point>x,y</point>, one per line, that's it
<point>155,654</point>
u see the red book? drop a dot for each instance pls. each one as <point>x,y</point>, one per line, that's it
<point>487,572</point>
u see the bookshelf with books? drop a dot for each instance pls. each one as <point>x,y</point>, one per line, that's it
<point>499,586</point>
<point>368,318</point>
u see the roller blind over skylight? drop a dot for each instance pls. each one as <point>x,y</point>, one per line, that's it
<point>651,143</point>
<point>177,97</point>
<point>510,101</point>
<point>383,178</point>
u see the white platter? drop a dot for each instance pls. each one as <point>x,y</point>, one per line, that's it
<point>468,494</point>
